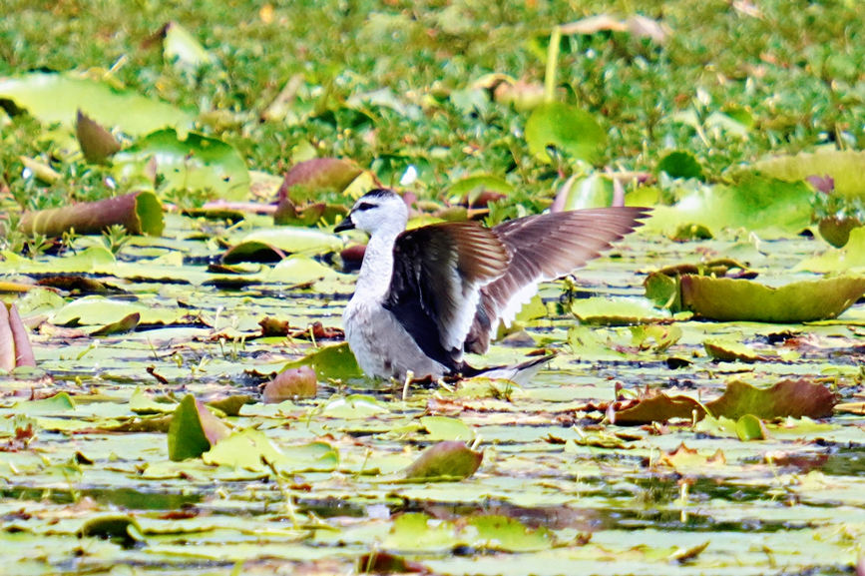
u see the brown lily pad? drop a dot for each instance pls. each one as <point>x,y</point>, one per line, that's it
<point>137,212</point>
<point>299,383</point>
<point>788,398</point>
<point>96,142</point>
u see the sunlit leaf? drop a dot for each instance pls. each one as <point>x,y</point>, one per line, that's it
<point>445,460</point>
<point>567,128</point>
<point>738,300</point>
<point>194,430</point>
<point>194,163</point>
<point>330,362</point>
<point>134,114</point>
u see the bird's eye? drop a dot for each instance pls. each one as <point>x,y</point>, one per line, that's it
<point>364,206</point>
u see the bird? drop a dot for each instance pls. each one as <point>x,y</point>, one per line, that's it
<point>426,296</point>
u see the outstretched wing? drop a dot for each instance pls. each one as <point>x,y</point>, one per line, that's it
<point>439,271</point>
<point>544,247</point>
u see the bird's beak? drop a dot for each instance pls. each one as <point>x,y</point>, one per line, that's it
<point>346,224</point>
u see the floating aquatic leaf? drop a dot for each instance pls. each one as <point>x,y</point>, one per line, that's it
<point>751,428</point>
<point>134,114</point>
<point>446,460</point>
<point>788,398</point>
<point>194,430</point>
<point>593,191</point>
<point>470,188</point>
<point>753,202</point>
<point>731,351</point>
<point>616,311</point>
<point>309,177</point>
<point>382,563</point>
<point>194,163</point>
<point>58,403</point>
<point>231,406</point>
<point>96,142</point>
<point>447,429</point>
<point>142,404</point>
<point>354,407</point>
<point>120,528</point>
<point>845,167</point>
<point>330,362</point>
<point>244,449</point>
<point>690,461</point>
<point>124,325</point>
<point>851,258</point>
<point>725,299</point>
<point>297,383</point>
<point>252,251</point>
<point>292,239</point>
<point>137,212</point>
<point>299,270</point>
<point>565,127</point>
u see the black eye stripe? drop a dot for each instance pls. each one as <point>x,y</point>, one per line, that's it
<point>365,206</point>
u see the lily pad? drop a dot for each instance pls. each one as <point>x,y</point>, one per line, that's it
<point>330,362</point>
<point>566,128</point>
<point>845,167</point>
<point>446,460</point>
<point>292,239</point>
<point>751,428</point>
<point>297,383</point>
<point>616,311</point>
<point>731,351</point>
<point>194,163</point>
<point>38,92</point>
<point>137,212</point>
<point>96,142</point>
<point>194,430</point>
<point>725,299</point>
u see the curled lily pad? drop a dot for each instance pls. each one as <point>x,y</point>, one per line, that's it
<point>181,47</point>
<point>252,251</point>
<point>296,383</point>
<point>194,430</point>
<point>680,164</point>
<point>96,142</point>
<point>447,460</point>
<point>120,528</point>
<point>293,239</point>
<point>751,428</point>
<point>725,299</point>
<point>845,167</point>
<point>731,351</point>
<point>787,398</point>
<point>137,212</point>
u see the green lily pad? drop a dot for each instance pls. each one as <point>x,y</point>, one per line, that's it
<point>725,299</point>
<point>447,429</point>
<point>137,212</point>
<point>754,202</point>
<point>193,431</point>
<point>751,428</point>
<point>194,163</point>
<point>850,258</point>
<point>330,362</point>
<point>845,167</point>
<point>291,239</point>
<point>567,128</point>
<point>58,403</point>
<point>120,528</point>
<point>731,351</point>
<point>446,460</point>
<point>96,142</point>
<point>38,93</point>
<point>616,311</point>
<point>680,164</point>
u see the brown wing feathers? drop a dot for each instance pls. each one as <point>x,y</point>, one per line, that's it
<point>544,247</point>
<point>453,282</point>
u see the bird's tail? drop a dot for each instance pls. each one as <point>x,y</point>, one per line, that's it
<point>520,373</point>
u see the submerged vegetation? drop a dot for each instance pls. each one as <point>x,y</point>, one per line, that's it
<point>175,395</point>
